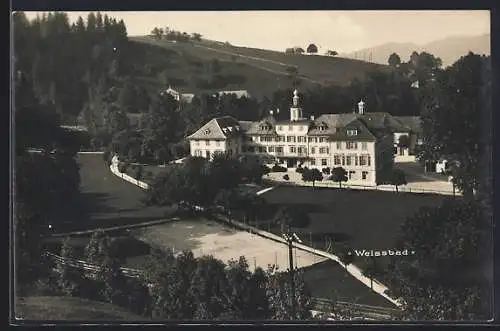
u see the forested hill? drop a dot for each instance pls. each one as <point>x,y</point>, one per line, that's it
<point>67,64</point>
<point>72,66</point>
<point>90,71</point>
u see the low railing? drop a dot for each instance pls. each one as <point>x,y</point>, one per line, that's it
<point>389,188</point>
<point>84,265</point>
<point>356,310</point>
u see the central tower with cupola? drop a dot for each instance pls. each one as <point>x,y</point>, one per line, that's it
<point>295,110</point>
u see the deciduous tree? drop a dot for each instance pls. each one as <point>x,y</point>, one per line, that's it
<point>452,120</point>
<point>339,175</point>
<point>394,60</point>
<point>440,281</point>
<point>312,175</point>
<point>312,48</point>
<point>397,178</point>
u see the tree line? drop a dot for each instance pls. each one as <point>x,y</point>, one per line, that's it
<point>43,181</point>
<point>174,35</point>
<point>310,49</point>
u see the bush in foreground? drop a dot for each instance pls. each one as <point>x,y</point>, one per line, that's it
<point>122,167</point>
<point>278,168</point>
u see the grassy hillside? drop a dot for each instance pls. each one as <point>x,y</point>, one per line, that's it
<point>261,72</point>
<point>57,308</point>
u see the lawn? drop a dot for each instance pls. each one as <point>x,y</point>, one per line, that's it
<point>358,219</point>
<point>58,308</point>
<point>107,200</point>
<point>328,280</point>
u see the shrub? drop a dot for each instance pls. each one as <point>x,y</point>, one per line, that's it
<point>278,168</point>
<point>138,172</point>
<point>286,177</point>
<point>106,156</point>
<point>299,170</point>
<point>122,167</point>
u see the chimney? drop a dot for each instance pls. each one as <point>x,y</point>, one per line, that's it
<point>361,107</point>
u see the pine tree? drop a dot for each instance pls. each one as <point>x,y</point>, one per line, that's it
<point>67,276</point>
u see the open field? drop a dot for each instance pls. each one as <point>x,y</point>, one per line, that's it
<point>206,237</point>
<point>107,200</point>
<point>325,278</point>
<point>58,308</point>
<point>328,280</point>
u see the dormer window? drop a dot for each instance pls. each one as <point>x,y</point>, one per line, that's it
<point>322,126</point>
<point>352,132</point>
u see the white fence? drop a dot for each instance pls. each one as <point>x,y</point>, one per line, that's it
<point>114,169</point>
<point>387,188</point>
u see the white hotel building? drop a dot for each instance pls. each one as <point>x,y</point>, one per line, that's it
<point>362,143</point>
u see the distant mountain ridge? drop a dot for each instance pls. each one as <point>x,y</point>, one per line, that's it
<point>449,49</point>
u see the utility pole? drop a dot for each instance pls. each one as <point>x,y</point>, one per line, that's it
<point>289,237</point>
<point>292,280</point>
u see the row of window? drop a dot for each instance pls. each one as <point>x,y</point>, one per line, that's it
<point>290,127</point>
<point>303,139</point>
<point>207,153</point>
<point>209,142</point>
<point>350,132</point>
<point>351,145</point>
<point>348,160</point>
<point>338,159</point>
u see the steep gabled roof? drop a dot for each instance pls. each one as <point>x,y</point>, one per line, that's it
<point>265,126</point>
<point>218,128</point>
<point>333,123</point>
<point>382,121</point>
<point>337,126</point>
<point>245,125</point>
<point>413,123</point>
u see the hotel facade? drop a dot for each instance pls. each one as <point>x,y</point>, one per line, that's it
<point>361,143</point>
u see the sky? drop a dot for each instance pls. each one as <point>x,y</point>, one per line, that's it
<point>343,31</point>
